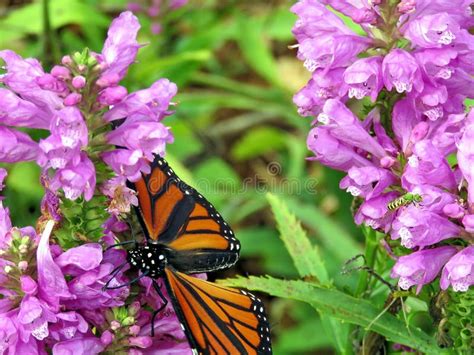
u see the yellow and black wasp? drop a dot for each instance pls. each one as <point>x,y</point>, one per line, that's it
<point>404,200</point>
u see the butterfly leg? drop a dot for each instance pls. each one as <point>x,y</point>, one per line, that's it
<point>155,313</point>
<point>113,274</point>
<point>128,283</point>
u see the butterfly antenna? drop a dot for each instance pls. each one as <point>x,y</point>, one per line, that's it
<point>134,241</point>
<point>371,272</point>
<point>155,313</point>
<point>120,244</point>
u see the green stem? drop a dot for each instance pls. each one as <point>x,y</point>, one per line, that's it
<point>371,246</point>
<point>50,50</point>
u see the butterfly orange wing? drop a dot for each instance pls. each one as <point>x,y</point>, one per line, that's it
<point>175,214</point>
<point>217,319</point>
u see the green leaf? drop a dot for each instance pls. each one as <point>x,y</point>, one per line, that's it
<point>278,24</point>
<point>332,236</point>
<point>24,179</point>
<point>306,257</point>
<point>303,337</point>
<point>28,19</point>
<point>274,257</point>
<point>256,49</point>
<point>343,307</point>
<point>257,142</point>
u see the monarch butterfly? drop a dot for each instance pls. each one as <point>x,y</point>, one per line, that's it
<point>186,235</point>
<point>404,200</point>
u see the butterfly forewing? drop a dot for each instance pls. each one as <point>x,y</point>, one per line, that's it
<point>217,319</point>
<point>175,214</point>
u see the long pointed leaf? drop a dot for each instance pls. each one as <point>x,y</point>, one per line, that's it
<point>343,307</point>
<point>306,257</point>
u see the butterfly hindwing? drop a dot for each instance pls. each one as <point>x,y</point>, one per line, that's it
<point>217,319</point>
<point>176,215</point>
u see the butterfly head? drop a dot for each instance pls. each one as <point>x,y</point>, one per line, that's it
<point>150,258</point>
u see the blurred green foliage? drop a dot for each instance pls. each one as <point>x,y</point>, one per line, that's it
<point>237,137</point>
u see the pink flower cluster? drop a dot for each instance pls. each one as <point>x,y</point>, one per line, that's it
<point>76,102</point>
<point>52,299</point>
<point>411,69</point>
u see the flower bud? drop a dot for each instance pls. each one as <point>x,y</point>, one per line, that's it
<point>60,72</point>
<point>66,60</point>
<point>134,308</point>
<point>72,99</point>
<point>28,285</point>
<point>23,265</point>
<point>78,82</point>
<point>108,80</point>
<point>128,321</point>
<point>107,337</point>
<point>112,95</point>
<point>114,325</point>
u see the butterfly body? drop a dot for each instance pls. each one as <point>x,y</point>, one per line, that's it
<point>150,259</point>
<point>185,235</point>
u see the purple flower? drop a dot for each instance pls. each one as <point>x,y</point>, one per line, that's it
<point>367,181</point>
<point>364,78</point>
<point>76,180</point>
<point>55,155</point>
<point>68,326</point>
<point>121,196</point>
<point>14,111</point>
<point>374,212</point>
<point>321,87</point>
<point>152,103</point>
<point>434,199</point>
<point>360,11</point>
<point>448,133</point>
<point>79,259</point>
<point>127,163</point>
<point>400,70</point>
<point>89,277</point>
<point>147,136</point>
<point>459,271</point>
<point>16,146</point>
<point>33,318</point>
<point>324,40</point>
<point>432,31</point>
<point>345,126</point>
<point>404,119</point>
<point>22,77</point>
<point>468,222</point>
<point>8,334</point>
<point>421,267</point>
<point>427,166</point>
<point>465,157</point>
<point>53,287</point>
<point>121,47</point>
<point>70,127</point>
<point>416,227</point>
<point>87,345</point>
<point>112,95</point>
<point>332,152</point>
